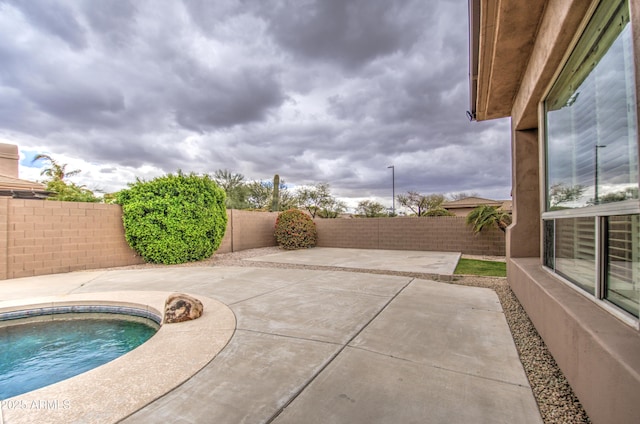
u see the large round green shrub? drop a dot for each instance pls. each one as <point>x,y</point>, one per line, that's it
<point>174,218</point>
<point>295,230</point>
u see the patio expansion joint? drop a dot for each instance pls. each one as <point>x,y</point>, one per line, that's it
<point>334,268</point>
<point>237,302</point>
<point>438,367</point>
<point>336,354</point>
<point>286,336</point>
<point>84,284</point>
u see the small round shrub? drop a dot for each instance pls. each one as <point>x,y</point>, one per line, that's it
<point>174,218</point>
<point>295,230</point>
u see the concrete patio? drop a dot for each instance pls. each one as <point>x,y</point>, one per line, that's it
<point>331,346</point>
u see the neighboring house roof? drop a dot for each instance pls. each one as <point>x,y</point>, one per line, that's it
<point>507,205</point>
<point>471,202</point>
<point>24,189</point>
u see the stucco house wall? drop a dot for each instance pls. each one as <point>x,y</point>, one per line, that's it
<point>517,49</point>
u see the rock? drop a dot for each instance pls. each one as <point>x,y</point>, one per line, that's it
<point>181,307</point>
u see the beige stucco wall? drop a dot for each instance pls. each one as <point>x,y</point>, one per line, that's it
<point>598,352</point>
<point>556,32</point>
<point>523,237</point>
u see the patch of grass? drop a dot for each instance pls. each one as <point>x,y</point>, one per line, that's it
<point>484,268</point>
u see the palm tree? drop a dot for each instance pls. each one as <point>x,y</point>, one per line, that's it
<point>234,187</point>
<point>485,216</point>
<point>59,188</point>
<point>55,171</point>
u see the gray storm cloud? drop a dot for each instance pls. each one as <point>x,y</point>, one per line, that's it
<point>326,90</point>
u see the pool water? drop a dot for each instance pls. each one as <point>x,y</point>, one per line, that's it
<point>37,354</point>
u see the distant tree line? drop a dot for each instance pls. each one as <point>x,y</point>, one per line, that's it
<point>418,204</point>
<point>276,196</point>
<point>317,200</point>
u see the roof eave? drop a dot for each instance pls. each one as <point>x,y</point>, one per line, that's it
<point>501,38</point>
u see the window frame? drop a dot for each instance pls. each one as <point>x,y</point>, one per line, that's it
<point>598,212</point>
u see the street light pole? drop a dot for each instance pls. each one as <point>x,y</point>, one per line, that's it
<point>393,188</point>
<point>598,146</point>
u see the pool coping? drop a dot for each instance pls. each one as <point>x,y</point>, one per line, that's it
<point>115,390</point>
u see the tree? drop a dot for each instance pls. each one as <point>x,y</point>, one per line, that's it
<point>560,193</point>
<point>485,216</point>
<point>333,209</point>
<point>54,171</point>
<point>371,209</point>
<point>616,196</point>
<point>317,200</point>
<point>234,187</point>
<point>70,192</point>
<point>462,195</point>
<point>418,203</point>
<point>260,195</point>
<point>438,212</point>
<point>288,200</point>
<point>63,191</point>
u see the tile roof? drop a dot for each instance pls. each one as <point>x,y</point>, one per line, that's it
<point>472,202</point>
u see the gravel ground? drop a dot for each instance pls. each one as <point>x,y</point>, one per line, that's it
<point>556,400</point>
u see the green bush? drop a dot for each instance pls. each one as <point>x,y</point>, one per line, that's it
<point>295,230</point>
<point>174,218</point>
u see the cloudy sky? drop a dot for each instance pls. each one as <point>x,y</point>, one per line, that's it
<point>314,90</point>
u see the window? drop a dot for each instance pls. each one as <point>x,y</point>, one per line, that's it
<point>591,223</point>
<point>575,251</point>
<point>623,262</point>
<point>592,147</point>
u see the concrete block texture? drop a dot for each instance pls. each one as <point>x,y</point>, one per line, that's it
<point>87,236</point>
<point>447,234</point>
<point>46,237</point>
<point>248,230</point>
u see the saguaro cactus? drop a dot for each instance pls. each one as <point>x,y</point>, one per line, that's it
<point>275,200</point>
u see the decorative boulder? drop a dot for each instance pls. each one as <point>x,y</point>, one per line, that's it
<point>181,307</point>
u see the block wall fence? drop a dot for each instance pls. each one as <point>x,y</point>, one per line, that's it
<point>48,237</point>
<point>437,233</point>
<point>45,237</point>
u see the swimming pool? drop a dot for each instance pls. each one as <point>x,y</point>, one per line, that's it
<point>115,390</point>
<point>35,353</point>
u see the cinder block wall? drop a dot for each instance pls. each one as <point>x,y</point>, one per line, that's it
<point>44,237</point>
<point>445,234</point>
<point>248,230</point>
